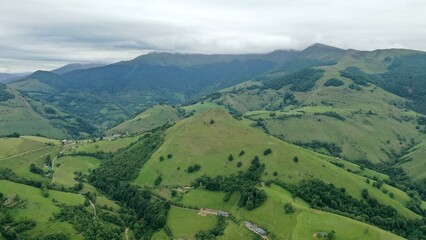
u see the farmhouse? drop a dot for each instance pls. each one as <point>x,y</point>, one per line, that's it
<point>321,235</point>
<point>253,227</point>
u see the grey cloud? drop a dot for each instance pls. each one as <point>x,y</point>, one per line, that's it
<point>43,34</point>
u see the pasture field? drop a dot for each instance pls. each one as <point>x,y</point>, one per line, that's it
<point>187,145</point>
<point>184,223</point>
<point>301,224</point>
<point>105,145</point>
<point>40,209</point>
<point>151,118</point>
<point>64,174</point>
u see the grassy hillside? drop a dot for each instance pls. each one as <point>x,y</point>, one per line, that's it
<point>151,118</point>
<point>41,209</point>
<point>367,123</point>
<point>209,138</point>
<point>104,145</point>
<point>17,115</point>
<point>21,114</point>
<point>18,154</point>
<point>301,224</point>
<point>414,162</point>
<point>67,166</point>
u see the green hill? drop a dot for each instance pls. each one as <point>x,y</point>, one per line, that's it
<point>151,118</point>
<point>366,123</point>
<point>208,138</point>
<point>21,114</point>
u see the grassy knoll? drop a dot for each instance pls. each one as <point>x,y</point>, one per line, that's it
<point>64,173</point>
<point>207,199</point>
<point>185,223</point>
<point>201,107</point>
<point>198,140</point>
<point>40,209</point>
<point>153,117</point>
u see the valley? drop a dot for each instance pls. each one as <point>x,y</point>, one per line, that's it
<point>301,144</point>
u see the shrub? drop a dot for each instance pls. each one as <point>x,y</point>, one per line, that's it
<point>333,82</point>
<point>267,151</point>
<point>169,156</point>
<point>241,153</point>
<point>161,158</point>
<point>230,158</point>
<point>295,159</point>
<point>239,164</point>
<point>158,180</point>
<point>288,208</point>
<point>193,168</point>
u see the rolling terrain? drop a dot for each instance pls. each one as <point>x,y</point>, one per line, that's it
<point>322,141</point>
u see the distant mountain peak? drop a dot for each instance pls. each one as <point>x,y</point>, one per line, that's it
<point>75,66</point>
<point>320,46</point>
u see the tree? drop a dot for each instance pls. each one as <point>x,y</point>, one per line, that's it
<point>241,153</point>
<point>158,180</point>
<point>295,159</point>
<point>331,235</point>
<point>288,208</point>
<point>239,164</point>
<point>48,160</point>
<point>364,193</point>
<point>267,151</point>
<point>230,158</point>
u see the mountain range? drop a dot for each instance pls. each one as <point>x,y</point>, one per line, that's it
<point>318,142</point>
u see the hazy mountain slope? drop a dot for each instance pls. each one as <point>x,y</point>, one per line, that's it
<point>366,121</point>
<point>75,66</point>
<point>151,118</point>
<point>24,115</point>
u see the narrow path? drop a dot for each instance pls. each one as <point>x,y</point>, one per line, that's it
<point>94,209</point>
<point>126,231</point>
<point>20,154</point>
<point>33,160</point>
<point>53,163</point>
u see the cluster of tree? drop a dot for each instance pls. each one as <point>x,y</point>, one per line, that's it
<point>421,120</point>
<point>332,148</point>
<point>114,177</point>
<point>83,222</point>
<point>213,233</point>
<point>332,115</point>
<point>333,82</point>
<point>357,76</point>
<point>5,95</point>
<point>193,168</point>
<point>288,208</point>
<point>35,169</point>
<point>301,80</point>
<point>289,99</point>
<point>399,179</point>
<point>243,182</point>
<point>12,135</point>
<point>11,229</point>
<point>329,198</point>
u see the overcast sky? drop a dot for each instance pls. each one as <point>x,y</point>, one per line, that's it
<point>45,34</point>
